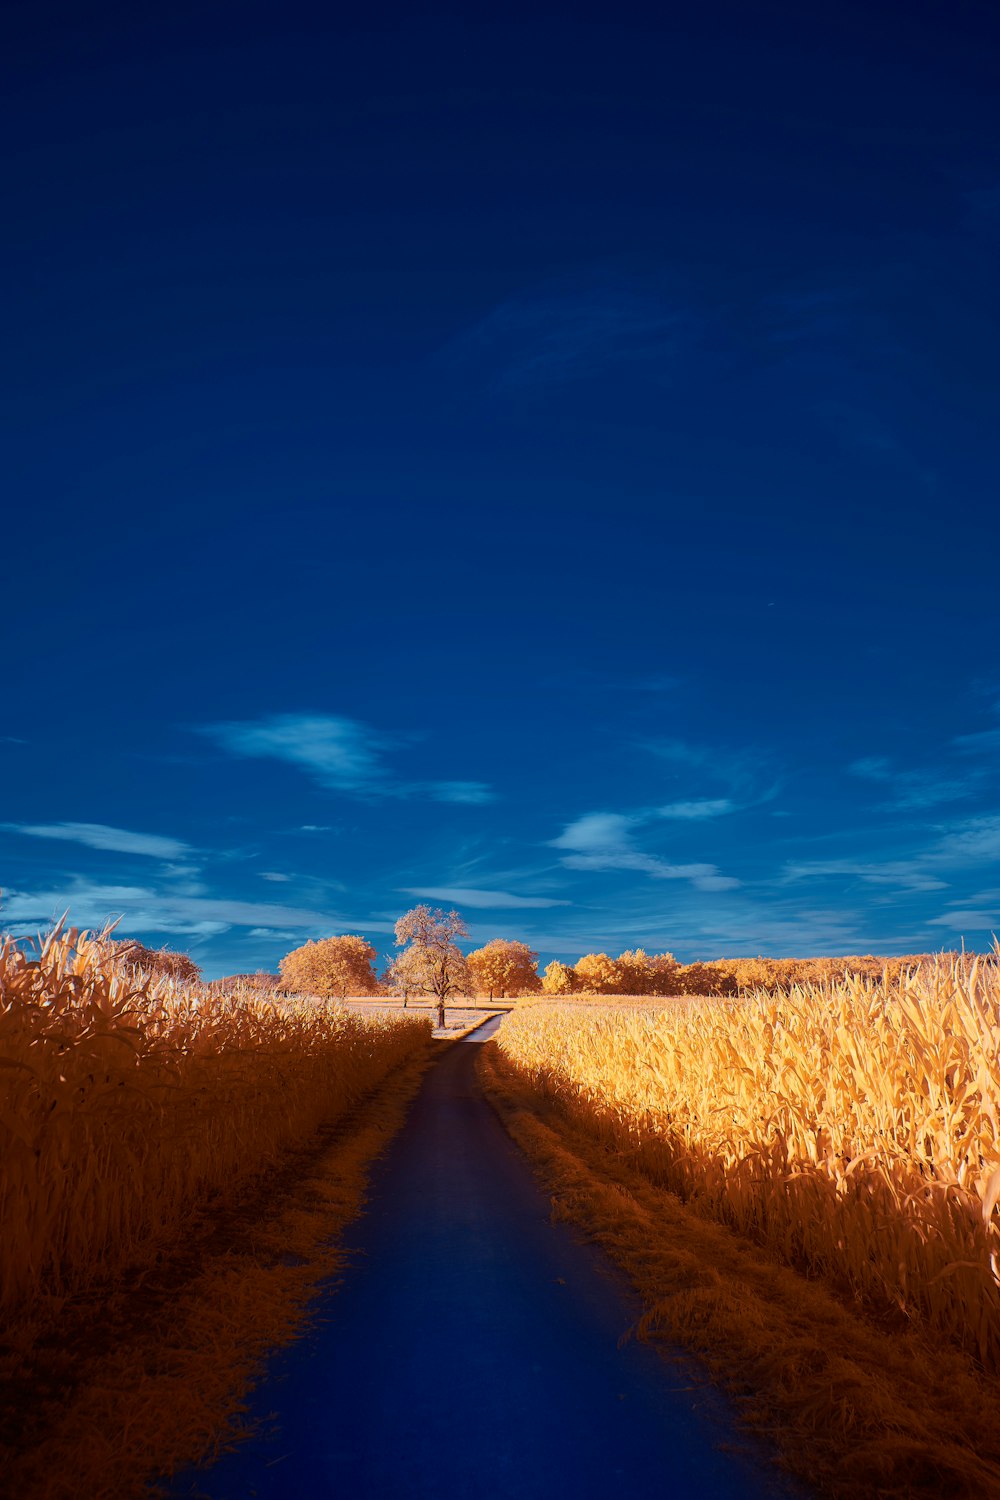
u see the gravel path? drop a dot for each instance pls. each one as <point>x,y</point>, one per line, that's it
<point>472,1350</point>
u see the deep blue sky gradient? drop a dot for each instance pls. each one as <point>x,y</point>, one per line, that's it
<point>541,459</point>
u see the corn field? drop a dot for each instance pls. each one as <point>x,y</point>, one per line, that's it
<point>128,1103</point>
<point>852,1129</point>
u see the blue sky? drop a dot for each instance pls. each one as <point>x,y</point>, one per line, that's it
<point>540,460</point>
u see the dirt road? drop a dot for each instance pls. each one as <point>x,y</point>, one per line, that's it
<point>472,1350</point>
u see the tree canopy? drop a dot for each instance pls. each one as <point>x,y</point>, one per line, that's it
<point>332,967</point>
<point>431,957</point>
<point>504,967</point>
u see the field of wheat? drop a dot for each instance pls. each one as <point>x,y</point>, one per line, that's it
<point>852,1129</point>
<point>128,1103</point>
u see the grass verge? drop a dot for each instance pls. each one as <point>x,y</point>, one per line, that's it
<point>107,1391</point>
<point>854,1408</point>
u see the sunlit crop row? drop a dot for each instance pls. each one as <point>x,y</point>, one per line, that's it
<point>853,1129</point>
<point>126,1103</point>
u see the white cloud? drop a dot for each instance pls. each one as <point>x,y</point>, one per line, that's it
<point>968,921</point>
<point>975,841</point>
<point>146,910</point>
<point>603,841</point>
<point>455,791</point>
<point>469,896</point>
<point>902,873</point>
<point>960,850</point>
<point>916,788</point>
<point>704,807</point>
<point>273,875</point>
<point>342,755</point>
<point>596,831</point>
<point>101,836</point>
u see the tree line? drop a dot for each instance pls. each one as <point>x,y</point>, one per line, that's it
<point>431,963</point>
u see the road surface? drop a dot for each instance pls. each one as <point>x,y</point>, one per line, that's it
<point>472,1349</point>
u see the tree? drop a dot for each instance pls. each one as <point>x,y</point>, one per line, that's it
<point>403,976</point>
<point>431,957</point>
<point>261,983</point>
<point>597,974</point>
<point>333,966</point>
<point>560,979</point>
<point>634,971</point>
<point>504,967</point>
<point>663,972</point>
<point>697,979</point>
<point>160,963</point>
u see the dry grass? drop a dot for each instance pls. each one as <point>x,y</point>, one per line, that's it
<point>137,1380</point>
<point>852,1130</point>
<point>173,1165</point>
<point>126,1102</point>
<point>859,1410</point>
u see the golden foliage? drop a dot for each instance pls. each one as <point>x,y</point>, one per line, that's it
<point>431,961</point>
<point>639,973</point>
<point>634,972</point>
<point>596,974</point>
<point>161,963</point>
<point>331,968</point>
<point>504,967</point>
<point>260,984</point>
<point>559,979</point>
<point>126,1102</point>
<point>853,1130</point>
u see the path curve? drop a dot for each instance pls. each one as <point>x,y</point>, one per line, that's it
<point>472,1349</point>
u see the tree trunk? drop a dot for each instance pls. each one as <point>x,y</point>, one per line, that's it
<point>441,1013</point>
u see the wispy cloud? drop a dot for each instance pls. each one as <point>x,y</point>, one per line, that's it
<point>147,910</point>
<point>101,836</point>
<point>603,841</point>
<point>916,788</point>
<point>968,920</point>
<point>341,754</point>
<point>973,842</point>
<point>451,791</point>
<point>705,807</point>
<point>572,331</point>
<point>984,741</point>
<point>747,773</point>
<point>470,896</point>
<point>902,874</point>
<point>955,851</point>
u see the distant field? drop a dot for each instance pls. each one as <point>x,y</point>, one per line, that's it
<point>458,1018</point>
